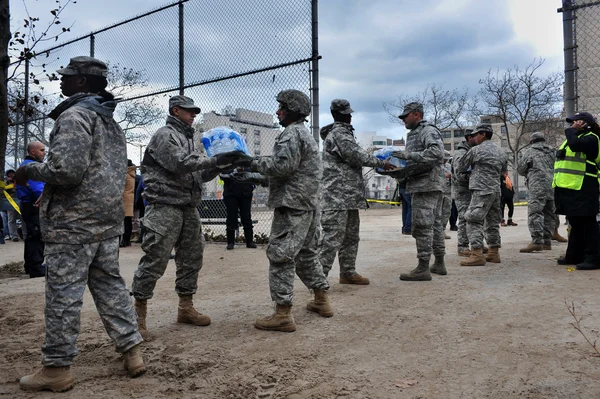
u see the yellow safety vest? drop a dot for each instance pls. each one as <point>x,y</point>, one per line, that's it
<point>570,171</point>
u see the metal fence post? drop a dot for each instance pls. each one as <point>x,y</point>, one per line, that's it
<point>181,51</point>
<point>569,54</point>
<point>26,109</point>
<point>92,45</point>
<point>315,69</point>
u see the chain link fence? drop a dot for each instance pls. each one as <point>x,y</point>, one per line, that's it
<point>582,55</point>
<point>231,57</point>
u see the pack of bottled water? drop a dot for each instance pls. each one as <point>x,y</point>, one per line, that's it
<point>385,154</point>
<point>221,139</point>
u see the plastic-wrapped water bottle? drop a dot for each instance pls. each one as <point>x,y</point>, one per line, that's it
<point>385,154</point>
<point>219,140</point>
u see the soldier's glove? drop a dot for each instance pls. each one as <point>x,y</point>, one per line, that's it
<point>244,161</point>
<point>401,154</point>
<point>227,159</point>
<point>249,177</point>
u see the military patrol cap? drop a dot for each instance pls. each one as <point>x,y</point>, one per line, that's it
<point>537,136</point>
<point>483,127</point>
<point>183,102</point>
<point>584,116</point>
<point>84,66</point>
<point>341,106</point>
<point>411,107</point>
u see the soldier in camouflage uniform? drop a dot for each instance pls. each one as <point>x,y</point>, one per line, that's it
<point>294,172</point>
<point>424,145</point>
<point>461,193</point>
<point>447,193</point>
<point>536,163</point>
<point>81,220</point>
<point>343,193</point>
<point>174,168</point>
<point>487,163</point>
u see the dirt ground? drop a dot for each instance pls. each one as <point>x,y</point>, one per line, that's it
<point>499,331</point>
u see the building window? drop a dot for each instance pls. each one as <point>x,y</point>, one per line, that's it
<point>448,146</point>
<point>503,129</point>
<point>447,134</point>
<point>380,143</point>
<point>486,120</point>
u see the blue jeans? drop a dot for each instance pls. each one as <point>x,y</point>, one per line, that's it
<point>406,210</point>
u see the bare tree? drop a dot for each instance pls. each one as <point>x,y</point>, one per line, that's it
<point>520,98</point>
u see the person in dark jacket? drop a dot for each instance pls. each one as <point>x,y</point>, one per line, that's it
<point>576,190</point>
<point>29,195</point>
<point>507,193</point>
<point>238,198</point>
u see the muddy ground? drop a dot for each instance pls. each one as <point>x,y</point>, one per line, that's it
<point>499,331</point>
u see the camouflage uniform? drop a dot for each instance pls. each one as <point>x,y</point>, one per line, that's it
<point>294,172</point>
<point>81,220</point>
<point>537,165</point>
<point>488,163</point>
<point>342,193</point>
<point>174,168</point>
<point>424,144</point>
<point>461,194</point>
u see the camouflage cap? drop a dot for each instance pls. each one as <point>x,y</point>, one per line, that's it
<point>341,106</point>
<point>295,101</point>
<point>411,107</point>
<point>183,102</point>
<point>483,127</point>
<point>537,136</point>
<point>584,116</point>
<point>84,66</point>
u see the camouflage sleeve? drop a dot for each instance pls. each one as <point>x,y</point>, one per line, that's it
<point>464,163</point>
<point>353,154</point>
<point>170,155</point>
<point>208,175</point>
<point>68,156</point>
<point>434,148</point>
<point>522,167</point>
<point>285,159</point>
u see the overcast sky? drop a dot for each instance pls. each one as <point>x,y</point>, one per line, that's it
<point>373,50</point>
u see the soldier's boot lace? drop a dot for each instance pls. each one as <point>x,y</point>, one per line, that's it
<point>439,267</point>
<point>531,247</point>
<point>558,237</point>
<point>356,279</point>
<point>133,362</point>
<point>281,320</point>
<point>55,379</point>
<point>321,304</point>
<point>141,306</point>
<point>420,273</point>
<point>476,258</point>
<point>493,256</point>
<point>188,315</point>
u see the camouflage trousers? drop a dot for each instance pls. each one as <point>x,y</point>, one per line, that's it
<point>482,216</point>
<point>541,220</point>
<point>427,228</point>
<point>293,249</point>
<point>446,209</point>
<point>340,236</point>
<point>169,227</point>
<point>462,200</point>
<point>68,269</point>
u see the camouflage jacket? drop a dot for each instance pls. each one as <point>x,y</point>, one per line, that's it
<point>488,163</point>
<point>84,173</point>
<point>460,181</point>
<point>343,160</point>
<point>537,165</point>
<point>294,169</point>
<point>424,145</point>
<point>175,166</point>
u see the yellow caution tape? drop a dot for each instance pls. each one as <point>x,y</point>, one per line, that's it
<point>383,202</point>
<point>571,269</point>
<point>11,201</point>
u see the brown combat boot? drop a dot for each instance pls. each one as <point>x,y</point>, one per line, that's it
<point>476,258</point>
<point>281,320</point>
<point>188,315</point>
<point>465,252</point>
<point>55,379</point>
<point>321,304</point>
<point>531,247</point>
<point>420,273</point>
<point>356,279</point>
<point>141,307</point>
<point>558,237</point>
<point>439,267</point>
<point>493,256</point>
<point>547,247</point>
<point>133,362</point>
